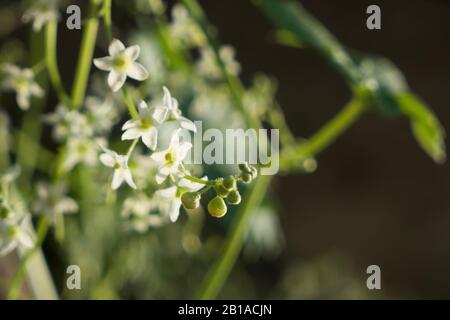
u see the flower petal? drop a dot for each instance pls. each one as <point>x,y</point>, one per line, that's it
<point>116,47</point>
<point>150,138</point>
<point>158,156</point>
<point>159,114</point>
<point>104,63</point>
<point>174,209</point>
<point>131,134</point>
<point>129,124</point>
<point>137,71</point>
<point>107,159</point>
<point>133,52</point>
<point>118,178</point>
<point>116,80</point>
<point>170,192</point>
<point>129,179</point>
<point>187,124</point>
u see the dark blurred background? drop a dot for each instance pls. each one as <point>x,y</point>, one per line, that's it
<point>376,197</point>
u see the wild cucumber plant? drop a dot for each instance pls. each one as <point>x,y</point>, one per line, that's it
<point>159,180</point>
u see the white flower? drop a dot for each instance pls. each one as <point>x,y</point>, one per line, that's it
<point>121,63</point>
<point>184,29</point>
<point>102,113</point>
<point>69,123</point>
<point>169,160</point>
<point>22,82</point>
<point>142,212</point>
<point>53,202</point>
<point>208,67</point>
<point>173,195</point>
<point>13,234</point>
<point>171,104</point>
<point>120,164</point>
<point>145,126</point>
<point>81,150</point>
<point>41,12</point>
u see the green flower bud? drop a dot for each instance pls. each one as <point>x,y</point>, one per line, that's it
<point>253,172</point>
<point>191,200</point>
<point>5,212</point>
<point>217,207</point>
<point>244,167</point>
<point>222,191</point>
<point>246,177</point>
<point>229,183</point>
<point>234,197</point>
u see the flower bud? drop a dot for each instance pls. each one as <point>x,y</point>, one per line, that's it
<point>253,172</point>
<point>244,167</point>
<point>5,212</point>
<point>246,177</point>
<point>222,191</point>
<point>217,207</point>
<point>190,200</point>
<point>234,197</point>
<point>229,183</point>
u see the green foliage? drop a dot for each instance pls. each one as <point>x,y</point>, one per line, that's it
<point>378,76</point>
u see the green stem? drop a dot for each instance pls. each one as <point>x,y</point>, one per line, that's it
<point>197,180</point>
<point>235,239</point>
<point>86,54</point>
<point>52,63</point>
<point>234,84</point>
<point>219,272</point>
<point>292,157</point>
<point>132,146</point>
<point>16,283</point>
<point>106,11</point>
<point>129,103</point>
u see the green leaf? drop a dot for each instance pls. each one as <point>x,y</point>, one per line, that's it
<point>426,127</point>
<point>384,80</point>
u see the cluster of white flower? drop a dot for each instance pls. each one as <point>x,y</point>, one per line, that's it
<point>22,82</point>
<point>41,12</point>
<point>14,219</point>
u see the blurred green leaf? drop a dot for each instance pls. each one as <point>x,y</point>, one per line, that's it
<point>384,80</point>
<point>425,126</point>
<point>376,75</point>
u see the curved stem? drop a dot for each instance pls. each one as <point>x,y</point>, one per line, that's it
<point>292,157</point>
<point>234,84</point>
<point>235,239</point>
<point>130,104</point>
<point>197,180</point>
<point>219,272</point>
<point>85,57</point>
<point>51,33</point>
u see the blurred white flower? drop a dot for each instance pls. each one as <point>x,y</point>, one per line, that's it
<point>13,234</point>
<point>69,123</point>
<point>120,164</point>
<point>208,66</point>
<point>184,29</point>
<point>169,160</point>
<point>41,12</point>
<point>81,150</point>
<point>142,212</point>
<point>173,195</point>
<point>101,113</point>
<point>145,126</point>
<point>22,82</point>
<point>265,236</point>
<point>171,104</point>
<point>52,201</point>
<point>121,63</point>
